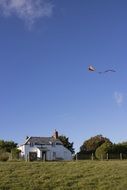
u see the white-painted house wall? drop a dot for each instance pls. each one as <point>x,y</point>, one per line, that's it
<point>54,151</point>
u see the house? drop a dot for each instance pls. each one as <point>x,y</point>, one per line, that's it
<point>44,148</point>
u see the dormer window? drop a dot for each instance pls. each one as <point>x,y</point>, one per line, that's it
<point>31,144</point>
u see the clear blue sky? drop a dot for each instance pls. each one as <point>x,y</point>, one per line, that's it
<point>45,50</point>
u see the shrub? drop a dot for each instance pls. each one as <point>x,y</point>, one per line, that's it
<point>101,151</point>
<point>4,156</point>
<point>15,153</point>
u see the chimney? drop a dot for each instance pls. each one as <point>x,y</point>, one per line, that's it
<point>55,135</point>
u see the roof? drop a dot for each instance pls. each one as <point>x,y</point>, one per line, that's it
<point>42,140</point>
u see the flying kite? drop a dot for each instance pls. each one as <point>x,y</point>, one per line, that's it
<point>92,69</point>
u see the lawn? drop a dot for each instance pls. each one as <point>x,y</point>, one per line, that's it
<point>75,175</point>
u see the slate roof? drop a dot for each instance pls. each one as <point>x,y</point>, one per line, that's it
<point>42,140</point>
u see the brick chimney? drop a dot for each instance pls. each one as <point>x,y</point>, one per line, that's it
<point>55,135</point>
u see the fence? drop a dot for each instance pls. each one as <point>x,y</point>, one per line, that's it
<point>91,156</point>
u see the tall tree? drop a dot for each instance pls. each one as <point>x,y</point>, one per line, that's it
<point>118,148</point>
<point>7,145</point>
<point>66,143</point>
<point>93,143</point>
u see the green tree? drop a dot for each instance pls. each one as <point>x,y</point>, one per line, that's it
<point>101,151</point>
<point>7,146</point>
<point>66,143</point>
<point>15,153</point>
<point>118,148</point>
<point>93,143</point>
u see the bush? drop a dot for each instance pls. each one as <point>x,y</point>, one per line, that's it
<point>15,153</point>
<point>101,151</point>
<point>4,156</point>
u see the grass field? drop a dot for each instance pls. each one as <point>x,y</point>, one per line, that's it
<point>78,175</point>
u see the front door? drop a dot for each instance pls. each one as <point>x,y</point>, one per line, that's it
<point>44,155</point>
<point>32,156</point>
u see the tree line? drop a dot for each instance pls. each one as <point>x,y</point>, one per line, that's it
<point>97,146</point>
<point>8,149</point>
<point>102,148</point>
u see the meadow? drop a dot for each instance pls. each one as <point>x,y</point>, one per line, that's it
<point>74,175</point>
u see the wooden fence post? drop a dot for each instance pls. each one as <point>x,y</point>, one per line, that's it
<point>121,156</point>
<point>107,156</point>
<point>92,157</point>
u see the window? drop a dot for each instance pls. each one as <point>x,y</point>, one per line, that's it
<point>31,144</point>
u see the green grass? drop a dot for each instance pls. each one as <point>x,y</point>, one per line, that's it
<point>78,175</point>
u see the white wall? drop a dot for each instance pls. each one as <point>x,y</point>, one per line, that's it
<point>59,151</point>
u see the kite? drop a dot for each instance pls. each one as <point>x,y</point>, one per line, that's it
<point>92,69</point>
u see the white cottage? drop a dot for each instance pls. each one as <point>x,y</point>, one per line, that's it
<point>44,148</point>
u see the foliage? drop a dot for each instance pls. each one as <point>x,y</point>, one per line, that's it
<point>66,143</point>
<point>124,143</point>
<point>7,145</point>
<point>118,148</point>
<point>4,156</point>
<point>75,175</point>
<point>15,153</point>
<point>101,151</point>
<point>93,143</point>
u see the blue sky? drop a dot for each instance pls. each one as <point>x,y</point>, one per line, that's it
<point>45,50</point>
